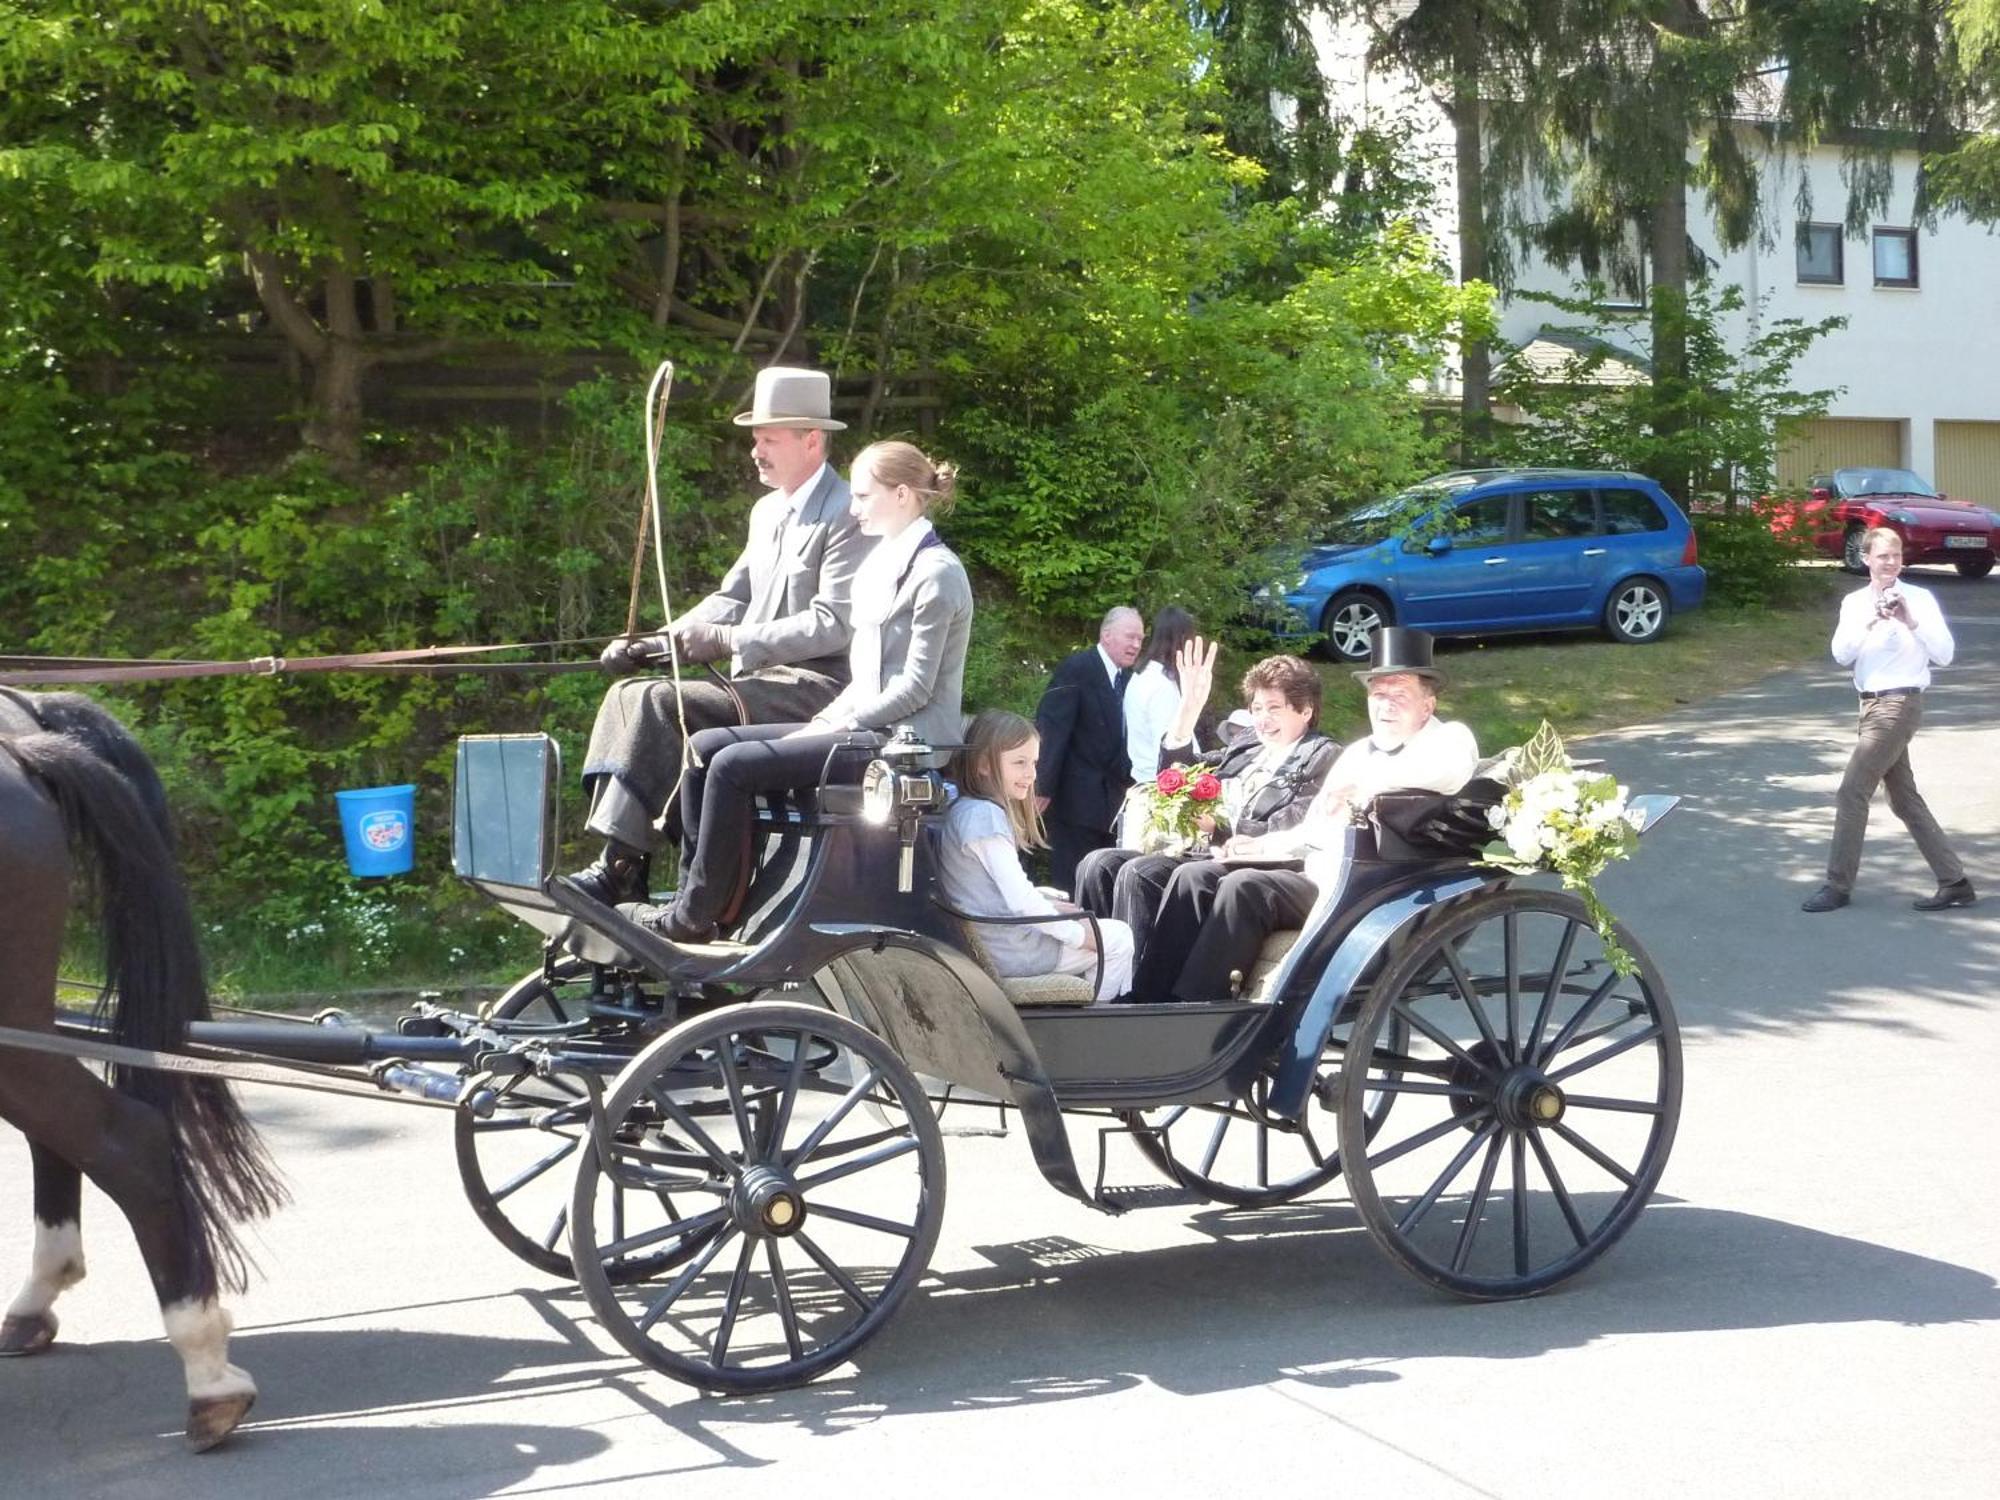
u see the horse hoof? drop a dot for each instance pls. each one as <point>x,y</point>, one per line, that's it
<point>213,1418</point>
<point>26,1335</point>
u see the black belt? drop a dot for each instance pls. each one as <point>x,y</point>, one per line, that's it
<point>1909,692</point>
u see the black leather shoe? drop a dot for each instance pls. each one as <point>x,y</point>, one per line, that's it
<point>670,924</point>
<point>1826,898</point>
<point>616,876</point>
<point>1958,893</point>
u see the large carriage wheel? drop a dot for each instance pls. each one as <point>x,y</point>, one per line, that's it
<point>813,1216</point>
<point>1536,1097</point>
<point>1237,1152</point>
<point>518,1165</point>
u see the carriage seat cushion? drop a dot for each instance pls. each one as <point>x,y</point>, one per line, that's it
<point>1034,990</point>
<point>1276,946</point>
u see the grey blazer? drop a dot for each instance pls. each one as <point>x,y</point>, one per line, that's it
<point>923,655</point>
<point>787,593</point>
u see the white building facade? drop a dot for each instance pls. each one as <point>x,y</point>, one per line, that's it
<point>1915,384</point>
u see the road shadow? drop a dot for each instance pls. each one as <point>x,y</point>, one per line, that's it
<point>1714,892</point>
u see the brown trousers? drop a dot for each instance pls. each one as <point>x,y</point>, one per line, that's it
<point>1882,758</point>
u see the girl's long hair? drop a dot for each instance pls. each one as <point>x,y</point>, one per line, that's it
<point>1173,628</point>
<point>976,769</point>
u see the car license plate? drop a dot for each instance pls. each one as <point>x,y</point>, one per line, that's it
<point>1975,542</point>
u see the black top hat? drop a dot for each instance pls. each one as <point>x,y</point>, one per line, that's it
<point>1396,648</point>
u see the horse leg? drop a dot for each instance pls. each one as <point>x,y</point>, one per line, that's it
<point>29,1326</point>
<point>126,1148</point>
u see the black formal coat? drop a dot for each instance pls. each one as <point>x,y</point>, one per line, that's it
<point>1283,800</point>
<point>1083,769</point>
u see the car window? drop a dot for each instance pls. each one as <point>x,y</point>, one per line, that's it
<point>1557,515</point>
<point>1481,522</point>
<point>1627,512</point>
<point>1854,483</point>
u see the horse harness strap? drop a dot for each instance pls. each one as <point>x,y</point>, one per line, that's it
<point>291,1076</point>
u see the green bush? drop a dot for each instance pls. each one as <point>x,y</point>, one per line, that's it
<point>1748,561</point>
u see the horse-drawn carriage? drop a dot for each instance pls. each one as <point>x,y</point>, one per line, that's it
<point>736,1148</point>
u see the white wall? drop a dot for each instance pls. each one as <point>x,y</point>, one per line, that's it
<point>1918,356</point>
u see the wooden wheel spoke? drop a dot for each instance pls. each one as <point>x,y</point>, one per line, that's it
<point>1475,1207</point>
<point>1518,1153</point>
<point>1418,1023</point>
<point>671,1107</point>
<point>1426,1086</point>
<point>841,1279</point>
<point>901,1146</point>
<point>680,1229</point>
<point>1563,1132</point>
<point>1576,1022</point>
<point>1312,1146</point>
<point>555,1230</point>
<point>535,1169</point>
<point>864,1221</point>
<point>733,1304</point>
<point>788,1097</point>
<point>1557,1186</point>
<point>781,1291</point>
<point>1510,928</point>
<point>1414,1215</point>
<point>1468,994</point>
<point>1214,1150</point>
<point>1424,1137</point>
<point>1625,1106</point>
<point>840,1111</point>
<point>732,1085</point>
<point>1558,973</point>
<point>657,1309</point>
<point>1605,1054</point>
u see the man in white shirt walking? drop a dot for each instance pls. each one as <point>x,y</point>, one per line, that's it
<point>1891,633</point>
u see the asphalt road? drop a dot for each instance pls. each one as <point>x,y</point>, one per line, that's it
<point>1809,1308</point>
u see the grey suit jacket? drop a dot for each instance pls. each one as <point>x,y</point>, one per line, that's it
<point>923,655</point>
<point>787,593</point>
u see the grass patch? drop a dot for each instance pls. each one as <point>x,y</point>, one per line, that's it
<point>1506,685</point>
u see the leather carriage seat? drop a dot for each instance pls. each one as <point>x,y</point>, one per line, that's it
<point>1256,984</point>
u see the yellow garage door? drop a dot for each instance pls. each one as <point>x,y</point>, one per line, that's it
<point>1968,460</point>
<point>1828,443</point>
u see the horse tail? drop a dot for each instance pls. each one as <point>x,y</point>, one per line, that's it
<point>88,720</point>
<point>153,988</point>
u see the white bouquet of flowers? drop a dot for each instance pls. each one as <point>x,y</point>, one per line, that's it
<point>1563,821</point>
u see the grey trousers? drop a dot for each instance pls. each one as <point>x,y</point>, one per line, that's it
<point>1882,758</point>
<point>633,765</point>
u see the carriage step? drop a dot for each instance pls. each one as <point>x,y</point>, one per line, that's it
<point>1149,1195</point>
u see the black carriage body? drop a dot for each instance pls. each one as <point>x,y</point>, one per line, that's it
<point>854,905</point>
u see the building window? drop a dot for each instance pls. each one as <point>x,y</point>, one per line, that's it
<point>1820,255</point>
<point>1895,257</point>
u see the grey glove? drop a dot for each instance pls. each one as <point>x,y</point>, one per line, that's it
<point>700,641</point>
<point>629,653</point>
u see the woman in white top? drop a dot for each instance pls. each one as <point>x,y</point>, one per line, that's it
<point>979,862</point>
<point>1153,696</point>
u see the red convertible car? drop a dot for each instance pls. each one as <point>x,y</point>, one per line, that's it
<point>1934,528</point>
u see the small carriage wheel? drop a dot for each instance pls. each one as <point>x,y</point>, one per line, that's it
<point>1537,1101</point>
<point>1237,1152</point>
<point>516,1166</point>
<point>814,1218</point>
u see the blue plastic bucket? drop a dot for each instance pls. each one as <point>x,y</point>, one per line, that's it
<point>376,822</point>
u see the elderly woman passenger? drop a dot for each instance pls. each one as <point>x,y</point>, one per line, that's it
<point>1267,781</point>
<point>1215,915</point>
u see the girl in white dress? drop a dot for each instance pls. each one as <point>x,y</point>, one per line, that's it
<point>979,862</point>
<point>1153,696</point>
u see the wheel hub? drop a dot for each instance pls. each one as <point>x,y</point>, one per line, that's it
<point>766,1202</point>
<point>1524,1098</point>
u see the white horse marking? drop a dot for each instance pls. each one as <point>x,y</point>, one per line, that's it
<point>199,1332</point>
<point>56,1266</point>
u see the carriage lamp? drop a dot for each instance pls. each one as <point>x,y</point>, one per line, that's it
<point>895,788</point>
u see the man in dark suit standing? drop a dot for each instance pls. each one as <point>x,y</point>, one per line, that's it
<point>780,619</point>
<point>1084,769</point>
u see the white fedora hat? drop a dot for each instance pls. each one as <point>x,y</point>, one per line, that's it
<point>789,397</point>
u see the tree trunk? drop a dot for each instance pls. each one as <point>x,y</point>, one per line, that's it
<point>334,425</point>
<point>1475,358</point>
<point>1669,255</point>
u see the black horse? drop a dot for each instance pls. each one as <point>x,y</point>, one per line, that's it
<point>77,794</point>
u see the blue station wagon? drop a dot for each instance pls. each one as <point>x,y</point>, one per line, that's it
<point>1484,550</point>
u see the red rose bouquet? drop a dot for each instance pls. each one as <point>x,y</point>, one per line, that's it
<point>1175,803</point>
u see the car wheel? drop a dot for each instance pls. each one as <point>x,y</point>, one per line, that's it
<point>1852,557</point>
<point>1350,619</point>
<point>1974,567</point>
<point>1637,611</point>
